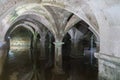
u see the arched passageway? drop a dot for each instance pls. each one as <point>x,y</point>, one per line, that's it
<point>49,29</point>
<point>78,53</point>
<point>28,48</point>
<point>102,16</point>
<point>18,58</point>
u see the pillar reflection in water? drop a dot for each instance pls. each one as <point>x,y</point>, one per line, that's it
<point>58,56</point>
<point>35,72</point>
<point>77,70</point>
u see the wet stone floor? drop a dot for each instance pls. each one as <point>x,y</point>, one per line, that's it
<point>19,66</point>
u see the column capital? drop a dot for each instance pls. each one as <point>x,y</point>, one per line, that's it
<point>58,44</point>
<point>42,39</point>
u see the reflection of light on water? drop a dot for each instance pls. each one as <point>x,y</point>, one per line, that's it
<point>11,54</point>
<point>19,48</point>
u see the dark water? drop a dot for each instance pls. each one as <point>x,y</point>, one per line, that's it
<point>19,66</point>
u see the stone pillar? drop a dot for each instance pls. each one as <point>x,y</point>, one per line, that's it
<point>50,52</point>
<point>58,57</point>
<point>76,48</point>
<point>97,46</point>
<point>42,48</point>
<point>109,67</point>
<point>91,50</point>
<point>34,47</point>
<point>3,54</point>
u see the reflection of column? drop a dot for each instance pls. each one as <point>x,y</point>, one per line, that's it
<point>58,56</point>
<point>35,73</point>
<point>42,48</point>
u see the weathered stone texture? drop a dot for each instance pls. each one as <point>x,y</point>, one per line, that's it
<point>103,17</point>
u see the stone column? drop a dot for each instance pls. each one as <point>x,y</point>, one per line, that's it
<point>109,67</point>
<point>58,57</point>
<point>73,48</point>
<point>91,50</point>
<point>33,49</point>
<point>76,48</point>
<point>3,54</point>
<point>50,52</point>
<point>97,46</point>
<point>42,48</point>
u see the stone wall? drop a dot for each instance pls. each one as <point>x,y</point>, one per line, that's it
<point>103,17</point>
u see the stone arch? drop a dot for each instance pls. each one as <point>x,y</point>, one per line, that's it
<point>28,21</point>
<point>40,7</point>
<point>78,12</point>
<point>14,16</point>
<point>20,25</point>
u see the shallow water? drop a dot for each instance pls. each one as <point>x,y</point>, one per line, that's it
<point>19,66</point>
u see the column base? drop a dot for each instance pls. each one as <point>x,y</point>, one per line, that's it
<point>109,67</point>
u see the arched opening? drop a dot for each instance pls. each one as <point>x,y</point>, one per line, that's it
<point>18,61</point>
<point>102,17</point>
<point>30,47</point>
<point>59,22</point>
<point>78,53</point>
